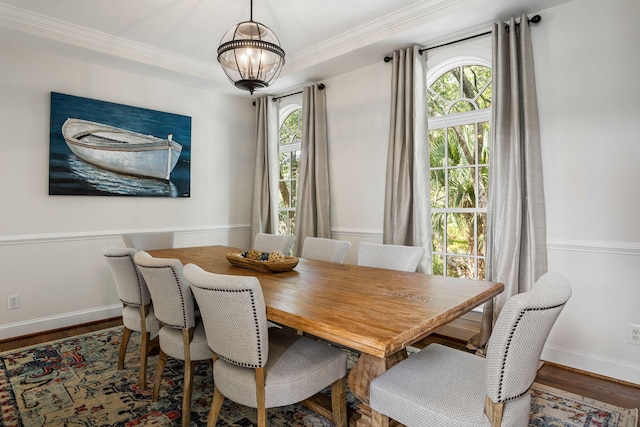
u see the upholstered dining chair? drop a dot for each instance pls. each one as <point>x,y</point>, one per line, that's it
<point>137,310</point>
<point>182,334</point>
<point>441,386</point>
<point>322,249</point>
<point>148,241</point>
<point>391,257</point>
<point>257,366</point>
<point>265,242</point>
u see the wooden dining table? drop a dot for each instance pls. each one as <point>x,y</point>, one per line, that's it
<point>374,311</point>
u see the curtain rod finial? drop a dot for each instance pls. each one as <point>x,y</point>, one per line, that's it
<point>388,59</point>
<point>535,19</point>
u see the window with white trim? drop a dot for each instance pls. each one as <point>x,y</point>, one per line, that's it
<point>459,120</point>
<point>290,134</point>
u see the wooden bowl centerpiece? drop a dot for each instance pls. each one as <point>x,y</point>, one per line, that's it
<point>266,262</point>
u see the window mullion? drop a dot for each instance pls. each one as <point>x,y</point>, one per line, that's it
<point>461,215</point>
<point>289,136</point>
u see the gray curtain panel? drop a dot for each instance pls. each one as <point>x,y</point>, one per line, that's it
<point>407,209</point>
<point>313,211</point>
<point>264,212</point>
<point>516,224</point>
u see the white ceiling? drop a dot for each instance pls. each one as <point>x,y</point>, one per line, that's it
<point>178,39</point>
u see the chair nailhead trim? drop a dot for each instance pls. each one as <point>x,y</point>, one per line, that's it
<point>506,351</point>
<point>182,297</point>
<point>135,269</point>
<point>259,349</point>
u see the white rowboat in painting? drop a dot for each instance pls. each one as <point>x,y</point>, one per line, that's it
<point>120,150</point>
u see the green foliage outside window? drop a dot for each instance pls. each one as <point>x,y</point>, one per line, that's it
<point>290,134</point>
<point>449,94</point>
<point>459,159</point>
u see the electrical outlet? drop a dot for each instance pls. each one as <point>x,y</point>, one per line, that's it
<point>633,334</point>
<point>13,302</point>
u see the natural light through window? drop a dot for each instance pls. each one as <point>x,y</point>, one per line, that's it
<point>459,102</point>
<point>289,149</point>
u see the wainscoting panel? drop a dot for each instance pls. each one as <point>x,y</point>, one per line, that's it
<point>62,279</point>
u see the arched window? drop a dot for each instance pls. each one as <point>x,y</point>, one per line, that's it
<point>290,134</point>
<point>459,101</point>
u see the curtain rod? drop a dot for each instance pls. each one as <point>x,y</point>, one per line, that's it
<point>535,19</point>
<point>275,98</point>
<point>320,86</point>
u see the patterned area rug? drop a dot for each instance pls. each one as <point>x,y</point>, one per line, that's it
<point>74,382</point>
<point>557,408</point>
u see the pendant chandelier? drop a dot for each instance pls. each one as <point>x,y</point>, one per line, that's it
<point>250,55</point>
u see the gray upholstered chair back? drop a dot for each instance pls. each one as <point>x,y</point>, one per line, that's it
<point>130,285</point>
<point>519,336</point>
<point>170,292</point>
<point>322,249</point>
<point>273,242</point>
<point>391,257</point>
<point>234,316</point>
<point>149,241</point>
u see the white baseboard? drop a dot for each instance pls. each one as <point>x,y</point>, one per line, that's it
<point>462,328</point>
<point>607,367</point>
<point>42,324</point>
<point>469,325</point>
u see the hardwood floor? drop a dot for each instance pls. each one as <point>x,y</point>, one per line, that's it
<point>615,392</point>
<point>29,340</point>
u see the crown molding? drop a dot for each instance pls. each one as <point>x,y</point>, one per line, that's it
<point>81,37</point>
<point>374,31</point>
<point>74,35</point>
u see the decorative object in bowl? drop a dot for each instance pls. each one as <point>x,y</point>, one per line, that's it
<point>266,262</point>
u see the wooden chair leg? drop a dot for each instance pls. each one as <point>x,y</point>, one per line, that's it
<point>378,419</point>
<point>493,411</point>
<point>339,402</point>
<point>126,335</point>
<point>144,345</point>
<point>162,362</point>
<point>260,397</point>
<point>216,405</point>
<point>154,346</point>
<point>144,351</point>
<point>186,393</point>
<point>187,336</point>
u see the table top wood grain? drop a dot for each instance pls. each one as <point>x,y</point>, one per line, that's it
<point>375,311</point>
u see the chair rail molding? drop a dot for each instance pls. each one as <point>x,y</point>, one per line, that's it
<point>358,233</point>
<point>598,246</point>
<point>110,234</point>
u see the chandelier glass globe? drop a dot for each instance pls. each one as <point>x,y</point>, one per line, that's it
<point>251,56</point>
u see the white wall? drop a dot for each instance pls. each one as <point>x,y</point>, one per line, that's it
<point>50,245</point>
<point>586,58</point>
<point>358,132</point>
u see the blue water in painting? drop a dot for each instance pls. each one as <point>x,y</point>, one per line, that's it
<point>69,175</point>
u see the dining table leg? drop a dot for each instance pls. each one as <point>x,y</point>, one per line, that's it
<point>366,368</point>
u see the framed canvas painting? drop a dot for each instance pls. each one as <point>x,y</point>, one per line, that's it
<point>101,148</point>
